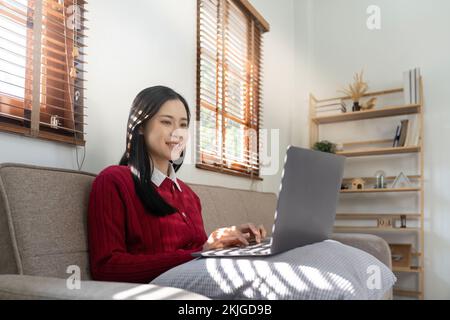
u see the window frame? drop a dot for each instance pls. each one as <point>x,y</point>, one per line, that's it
<point>225,165</point>
<point>31,124</point>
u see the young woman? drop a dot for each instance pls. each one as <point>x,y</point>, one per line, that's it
<point>142,219</point>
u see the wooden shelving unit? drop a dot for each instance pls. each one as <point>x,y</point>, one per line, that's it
<point>353,149</point>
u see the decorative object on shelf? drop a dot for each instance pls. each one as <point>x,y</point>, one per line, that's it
<point>387,222</point>
<point>358,184</point>
<point>401,255</point>
<point>403,221</point>
<point>75,52</point>
<point>73,72</point>
<point>356,90</point>
<point>369,104</point>
<point>344,186</point>
<point>380,177</point>
<point>401,181</point>
<point>54,122</point>
<point>325,146</point>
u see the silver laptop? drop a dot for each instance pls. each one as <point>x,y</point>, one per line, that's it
<point>306,207</point>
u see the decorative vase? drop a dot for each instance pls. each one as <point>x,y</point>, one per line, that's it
<point>356,106</point>
<point>380,177</point>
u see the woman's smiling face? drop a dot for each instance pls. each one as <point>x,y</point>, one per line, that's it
<point>166,133</point>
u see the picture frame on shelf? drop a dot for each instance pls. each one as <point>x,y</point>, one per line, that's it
<point>385,222</point>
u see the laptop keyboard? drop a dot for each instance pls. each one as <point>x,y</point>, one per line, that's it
<point>262,248</point>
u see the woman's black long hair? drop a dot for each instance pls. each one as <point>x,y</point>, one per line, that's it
<point>146,104</point>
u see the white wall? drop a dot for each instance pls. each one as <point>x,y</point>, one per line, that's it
<point>413,33</point>
<point>153,42</point>
<point>279,78</point>
<point>18,149</point>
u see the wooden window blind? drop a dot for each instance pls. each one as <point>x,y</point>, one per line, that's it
<point>42,69</point>
<point>229,110</point>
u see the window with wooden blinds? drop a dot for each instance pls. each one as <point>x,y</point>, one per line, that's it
<point>42,76</point>
<point>229,94</point>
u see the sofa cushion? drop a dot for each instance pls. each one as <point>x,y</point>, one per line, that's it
<point>44,210</point>
<point>7,257</point>
<point>223,207</point>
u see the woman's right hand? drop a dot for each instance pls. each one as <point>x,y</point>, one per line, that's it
<point>225,237</point>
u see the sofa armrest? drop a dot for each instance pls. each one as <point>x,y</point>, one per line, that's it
<point>376,246</point>
<point>46,288</point>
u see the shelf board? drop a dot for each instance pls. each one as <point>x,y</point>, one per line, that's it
<point>410,177</point>
<point>407,293</point>
<point>389,111</point>
<point>375,229</point>
<point>407,269</point>
<point>371,216</point>
<point>381,190</point>
<point>378,151</point>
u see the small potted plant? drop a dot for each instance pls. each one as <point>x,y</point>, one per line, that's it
<point>325,146</point>
<point>356,90</point>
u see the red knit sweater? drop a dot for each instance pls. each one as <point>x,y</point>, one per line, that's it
<point>130,245</point>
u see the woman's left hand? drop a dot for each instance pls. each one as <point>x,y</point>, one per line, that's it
<point>253,233</point>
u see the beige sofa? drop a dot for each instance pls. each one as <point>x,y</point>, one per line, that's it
<point>43,232</point>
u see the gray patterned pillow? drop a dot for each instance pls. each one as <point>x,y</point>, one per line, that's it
<point>324,270</point>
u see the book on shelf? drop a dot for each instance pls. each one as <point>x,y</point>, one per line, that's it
<point>413,135</point>
<point>411,86</point>
<point>403,132</point>
<point>396,137</point>
<point>407,133</point>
